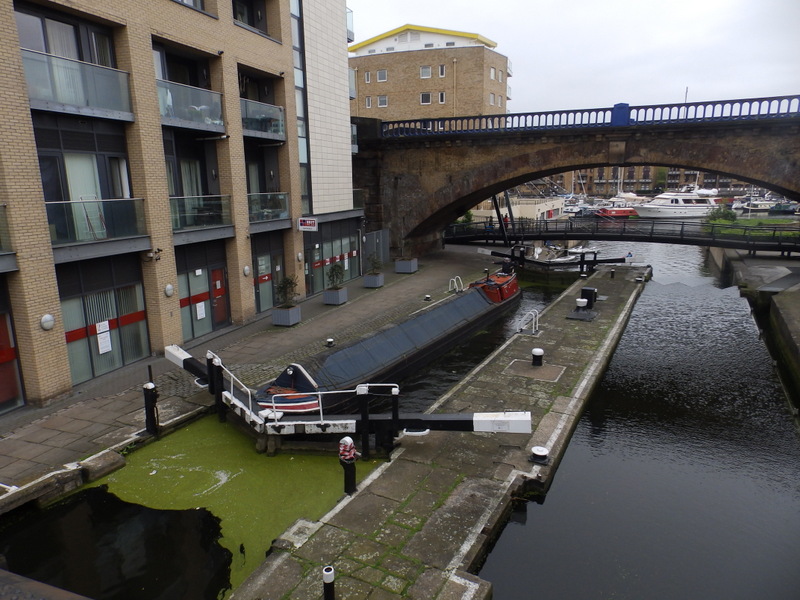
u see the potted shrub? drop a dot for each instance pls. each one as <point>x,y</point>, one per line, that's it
<point>405,265</point>
<point>287,312</point>
<point>373,278</point>
<point>336,293</point>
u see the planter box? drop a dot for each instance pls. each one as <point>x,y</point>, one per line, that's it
<point>373,280</point>
<point>335,297</point>
<point>286,317</point>
<point>405,265</point>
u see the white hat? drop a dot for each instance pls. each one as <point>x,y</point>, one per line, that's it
<point>346,440</point>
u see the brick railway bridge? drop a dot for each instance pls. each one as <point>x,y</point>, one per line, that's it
<point>419,176</point>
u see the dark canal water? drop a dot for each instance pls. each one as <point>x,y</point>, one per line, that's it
<point>683,477</point>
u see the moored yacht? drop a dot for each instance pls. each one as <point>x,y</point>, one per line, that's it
<point>687,203</point>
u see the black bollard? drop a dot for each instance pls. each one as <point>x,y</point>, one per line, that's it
<point>328,589</point>
<point>537,357</point>
<point>150,410</point>
<point>216,381</point>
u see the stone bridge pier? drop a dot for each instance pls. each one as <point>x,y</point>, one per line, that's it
<point>416,186</point>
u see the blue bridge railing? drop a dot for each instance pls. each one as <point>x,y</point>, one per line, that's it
<point>621,115</point>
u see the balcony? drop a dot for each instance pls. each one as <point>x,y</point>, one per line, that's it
<point>199,212</point>
<point>263,120</point>
<point>70,86</point>
<point>268,206</point>
<point>189,107</point>
<point>95,220</point>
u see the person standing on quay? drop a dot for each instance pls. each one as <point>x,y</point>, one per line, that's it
<point>347,458</point>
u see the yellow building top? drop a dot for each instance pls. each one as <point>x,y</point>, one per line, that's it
<point>473,36</point>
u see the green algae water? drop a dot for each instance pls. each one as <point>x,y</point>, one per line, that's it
<point>215,466</point>
<point>189,517</point>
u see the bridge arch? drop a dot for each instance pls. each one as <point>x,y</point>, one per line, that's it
<point>416,186</point>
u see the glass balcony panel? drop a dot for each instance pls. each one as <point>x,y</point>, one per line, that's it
<point>263,119</point>
<point>95,220</point>
<point>196,212</point>
<point>268,206</point>
<point>60,83</point>
<point>187,106</point>
<point>5,234</point>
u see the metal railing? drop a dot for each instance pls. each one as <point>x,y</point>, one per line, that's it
<point>91,220</point>
<point>621,115</point>
<point>188,106</point>
<point>195,212</point>
<point>68,85</point>
<point>263,119</point>
<point>268,206</point>
<point>782,238</point>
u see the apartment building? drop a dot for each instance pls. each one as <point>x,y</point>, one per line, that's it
<point>417,72</point>
<point>164,163</point>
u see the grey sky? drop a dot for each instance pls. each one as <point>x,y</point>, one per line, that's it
<point>595,53</point>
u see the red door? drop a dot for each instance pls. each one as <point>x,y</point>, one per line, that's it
<point>219,298</point>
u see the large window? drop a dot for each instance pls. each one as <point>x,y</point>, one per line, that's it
<point>383,101</point>
<point>425,98</point>
<point>251,13</point>
<point>425,72</point>
<point>383,75</point>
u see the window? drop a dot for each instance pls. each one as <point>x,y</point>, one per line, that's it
<point>499,101</point>
<point>450,44</point>
<point>367,77</point>
<point>441,70</point>
<point>500,76</point>
<point>492,72</point>
<point>441,97</point>
<point>368,102</point>
<point>195,3</point>
<point>250,12</point>
<point>425,72</point>
<point>425,98</point>
<point>429,45</point>
<point>491,98</point>
<point>383,101</point>
<point>383,75</point>
<point>390,48</point>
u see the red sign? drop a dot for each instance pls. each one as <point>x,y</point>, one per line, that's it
<point>307,224</point>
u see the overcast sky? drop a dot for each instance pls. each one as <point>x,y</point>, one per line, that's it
<point>595,53</point>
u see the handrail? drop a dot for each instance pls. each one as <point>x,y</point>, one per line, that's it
<point>455,285</point>
<point>621,115</point>
<point>233,380</point>
<point>534,315</point>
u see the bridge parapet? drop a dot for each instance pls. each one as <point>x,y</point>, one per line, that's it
<point>750,109</point>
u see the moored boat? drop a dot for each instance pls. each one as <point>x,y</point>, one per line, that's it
<point>392,352</point>
<point>689,202</point>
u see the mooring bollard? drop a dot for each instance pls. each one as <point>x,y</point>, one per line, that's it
<point>612,273</point>
<point>150,410</point>
<point>328,589</point>
<point>537,357</point>
<point>539,455</point>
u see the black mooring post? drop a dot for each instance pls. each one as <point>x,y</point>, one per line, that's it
<point>328,586</point>
<point>365,426</point>
<point>210,375</point>
<point>150,411</point>
<point>216,380</point>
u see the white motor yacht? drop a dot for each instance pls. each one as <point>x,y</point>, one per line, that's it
<point>687,203</point>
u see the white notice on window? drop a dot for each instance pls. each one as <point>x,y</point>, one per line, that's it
<point>104,342</point>
<point>201,310</point>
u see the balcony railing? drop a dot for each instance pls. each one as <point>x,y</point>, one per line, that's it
<point>196,212</point>
<point>71,86</point>
<point>187,106</point>
<point>5,234</point>
<point>268,206</point>
<point>94,220</point>
<point>263,120</point>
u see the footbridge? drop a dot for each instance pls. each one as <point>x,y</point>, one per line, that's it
<point>419,176</point>
<point>784,239</point>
